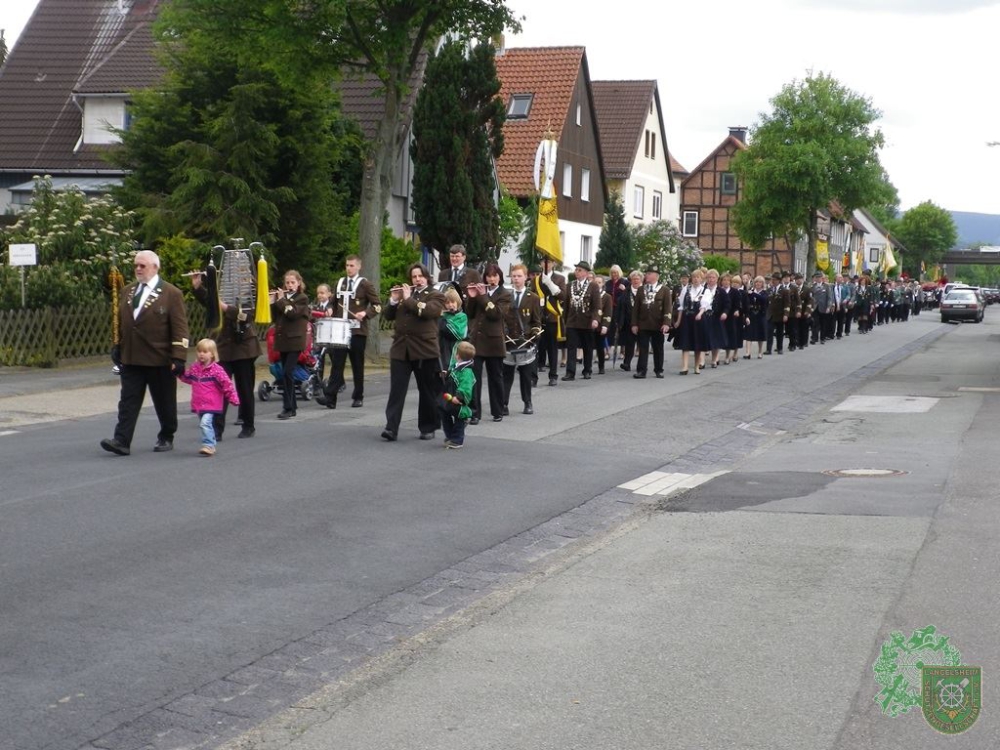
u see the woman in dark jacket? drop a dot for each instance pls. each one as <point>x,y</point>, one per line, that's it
<point>290,312</point>
<point>756,308</point>
<point>487,307</point>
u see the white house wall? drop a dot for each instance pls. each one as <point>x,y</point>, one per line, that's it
<point>652,174</point>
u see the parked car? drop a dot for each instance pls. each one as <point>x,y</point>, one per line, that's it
<point>963,303</point>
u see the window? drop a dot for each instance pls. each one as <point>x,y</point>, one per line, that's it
<point>579,118</point>
<point>638,201</point>
<point>874,254</point>
<point>585,185</point>
<point>657,204</point>
<point>568,180</point>
<point>520,105</point>
<point>652,145</point>
<point>650,106</point>
<point>728,183</point>
<point>646,152</point>
<point>689,226</point>
<point>586,248</point>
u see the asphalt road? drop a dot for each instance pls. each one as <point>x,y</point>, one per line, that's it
<point>133,587</point>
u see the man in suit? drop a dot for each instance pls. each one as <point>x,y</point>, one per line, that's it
<point>239,348</point>
<point>841,299</point>
<point>582,303</point>
<point>415,310</point>
<point>651,318</point>
<point>153,349</point>
<point>605,333</point>
<point>523,320</point>
<point>362,304</point>
<point>549,286</point>
<point>778,309</point>
<point>823,307</point>
<point>801,303</point>
<point>623,320</point>
<point>459,272</point>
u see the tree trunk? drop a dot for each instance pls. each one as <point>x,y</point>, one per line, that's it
<point>811,251</point>
<point>376,187</point>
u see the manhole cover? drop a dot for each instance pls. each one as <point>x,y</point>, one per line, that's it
<point>865,473</point>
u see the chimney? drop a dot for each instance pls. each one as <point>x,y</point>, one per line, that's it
<point>739,132</point>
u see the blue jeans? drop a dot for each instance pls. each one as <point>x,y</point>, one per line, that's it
<point>207,422</point>
<point>453,426</point>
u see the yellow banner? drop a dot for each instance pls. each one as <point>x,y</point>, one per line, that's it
<point>547,238</point>
<point>822,254</point>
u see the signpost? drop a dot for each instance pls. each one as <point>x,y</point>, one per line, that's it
<point>23,255</point>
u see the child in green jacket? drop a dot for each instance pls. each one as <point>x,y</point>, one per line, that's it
<point>454,407</point>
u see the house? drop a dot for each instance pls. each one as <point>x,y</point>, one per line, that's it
<point>637,163</point>
<point>65,87</point>
<point>707,195</point>
<point>876,241</point>
<point>548,90</point>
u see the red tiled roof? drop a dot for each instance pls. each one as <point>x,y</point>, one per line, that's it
<point>362,100</point>
<point>676,167</point>
<point>64,42</point>
<point>549,74</point>
<point>622,108</point>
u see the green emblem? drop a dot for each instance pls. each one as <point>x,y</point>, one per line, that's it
<point>899,667</point>
<point>951,697</point>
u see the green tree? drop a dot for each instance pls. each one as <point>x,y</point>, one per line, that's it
<point>819,144</point>
<point>661,243</point>
<point>3,48</point>
<point>928,232</point>
<point>512,219</point>
<point>229,145</point>
<point>721,263</point>
<point>615,246</point>
<point>886,209</point>
<point>457,133</point>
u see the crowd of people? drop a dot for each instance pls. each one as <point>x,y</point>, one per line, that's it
<point>471,328</point>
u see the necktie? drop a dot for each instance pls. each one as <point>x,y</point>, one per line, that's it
<point>138,296</point>
<point>454,274</point>
<point>517,301</point>
<point>350,284</point>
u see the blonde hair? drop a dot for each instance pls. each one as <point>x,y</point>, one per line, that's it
<point>519,267</point>
<point>761,279</point>
<point>450,295</point>
<point>298,277</point>
<point>321,287</point>
<point>207,345</point>
<point>465,350</point>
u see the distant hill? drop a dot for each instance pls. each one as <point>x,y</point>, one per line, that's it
<point>976,228</point>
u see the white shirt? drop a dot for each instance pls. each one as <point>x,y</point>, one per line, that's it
<point>707,297</point>
<point>150,286</point>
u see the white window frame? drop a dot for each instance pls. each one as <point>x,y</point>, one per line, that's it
<point>638,201</point>
<point>515,112</point>
<point>585,185</point>
<point>567,183</point>
<point>586,248</point>
<point>579,115</point>
<point>874,254</point>
<point>657,212</point>
<point>686,229</point>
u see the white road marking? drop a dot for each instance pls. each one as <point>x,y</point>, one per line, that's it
<point>887,404</point>
<point>662,483</point>
<point>8,432</point>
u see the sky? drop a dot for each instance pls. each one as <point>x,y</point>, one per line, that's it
<point>929,66</point>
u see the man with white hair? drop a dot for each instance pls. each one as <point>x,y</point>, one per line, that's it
<point>153,349</point>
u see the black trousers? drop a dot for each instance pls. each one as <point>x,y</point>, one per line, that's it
<point>289,361</point>
<point>524,373</point>
<point>628,340</point>
<point>840,317</point>
<point>162,386</point>
<point>775,331</point>
<point>548,351</point>
<point>339,356</point>
<point>494,385</point>
<point>579,338</point>
<point>849,315</point>
<point>428,378</point>
<point>647,338</point>
<point>244,373</point>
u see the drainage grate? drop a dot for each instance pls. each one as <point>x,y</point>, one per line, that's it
<point>865,473</point>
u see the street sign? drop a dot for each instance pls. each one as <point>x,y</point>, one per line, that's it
<point>24,255</point>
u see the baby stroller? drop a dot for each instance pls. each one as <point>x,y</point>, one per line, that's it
<point>306,373</point>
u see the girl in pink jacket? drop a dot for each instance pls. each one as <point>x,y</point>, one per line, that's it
<point>210,389</point>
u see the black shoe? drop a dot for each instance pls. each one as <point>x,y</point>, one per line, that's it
<point>426,435</point>
<point>659,375</point>
<point>498,417</point>
<point>329,403</point>
<point>162,446</point>
<point>586,376</point>
<point>506,411</point>
<point>781,352</point>
<point>474,421</point>
<point>357,403</point>
<point>568,378</point>
<point>639,375</point>
<point>247,432</point>
<point>389,435</point>
<point>113,446</point>
<point>286,414</point>
<point>767,354</point>
<point>528,409</point>
<point>553,381</point>
<point>600,370</point>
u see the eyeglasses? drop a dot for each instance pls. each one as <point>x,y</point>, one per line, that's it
<point>140,265</point>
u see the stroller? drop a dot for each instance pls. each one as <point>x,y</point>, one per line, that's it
<point>306,375</point>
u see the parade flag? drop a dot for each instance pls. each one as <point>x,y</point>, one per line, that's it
<point>547,235</point>
<point>888,261</point>
<point>822,254</point>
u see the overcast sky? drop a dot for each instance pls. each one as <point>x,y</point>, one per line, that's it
<point>930,66</point>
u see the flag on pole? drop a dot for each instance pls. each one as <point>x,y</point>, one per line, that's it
<point>888,261</point>
<point>547,235</point>
<point>823,254</point>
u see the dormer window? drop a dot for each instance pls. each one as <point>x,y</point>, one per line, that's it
<point>520,105</point>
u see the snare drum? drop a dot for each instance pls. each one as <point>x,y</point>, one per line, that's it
<point>520,356</point>
<point>334,332</point>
